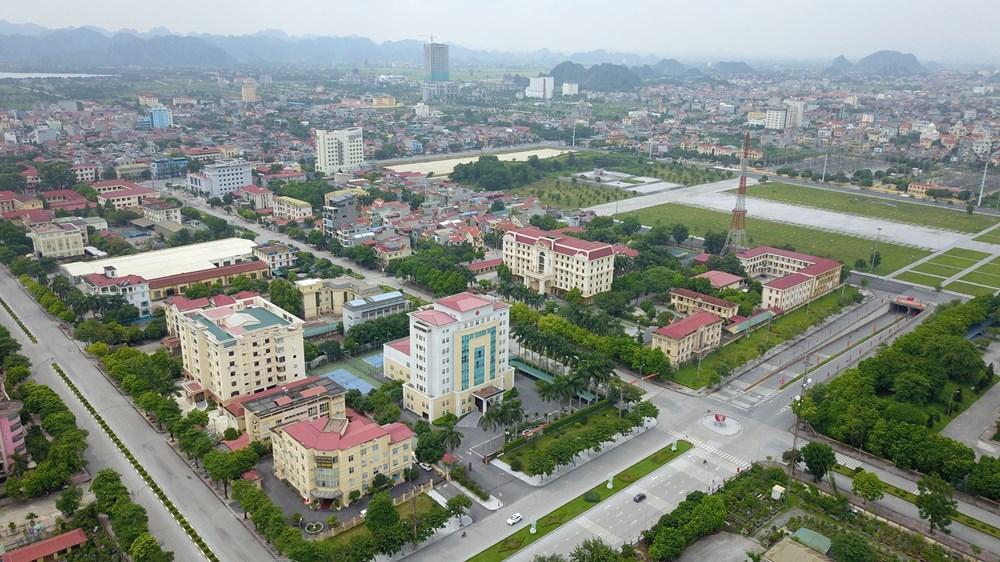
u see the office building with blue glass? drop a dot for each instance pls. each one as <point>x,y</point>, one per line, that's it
<point>457,356</point>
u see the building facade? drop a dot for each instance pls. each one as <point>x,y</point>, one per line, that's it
<point>133,288</point>
<point>166,168</point>
<point>341,150</point>
<point>291,209</point>
<point>458,356</point>
<point>790,279</point>
<point>11,435</point>
<point>328,296</point>
<point>436,62</point>
<point>689,302</point>
<point>361,310</point>
<point>775,118</point>
<point>161,118</point>
<point>326,459</point>
<point>52,240</point>
<point>307,399</point>
<point>554,263</point>
<point>277,256</point>
<point>540,87</point>
<point>341,208</point>
<point>241,348</point>
<point>216,180</point>
<point>159,210</point>
<point>682,340</point>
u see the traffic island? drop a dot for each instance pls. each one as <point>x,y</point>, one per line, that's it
<point>580,505</point>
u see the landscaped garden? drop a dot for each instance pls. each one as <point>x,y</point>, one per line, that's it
<point>840,247</point>
<point>571,194</point>
<point>722,361</point>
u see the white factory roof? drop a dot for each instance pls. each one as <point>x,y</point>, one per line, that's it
<point>170,261</point>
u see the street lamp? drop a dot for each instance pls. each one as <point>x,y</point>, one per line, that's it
<point>878,232</point>
<point>806,381</point>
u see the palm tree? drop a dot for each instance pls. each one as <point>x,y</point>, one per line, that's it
<point>489,420</point>
<point>451,437</point>
<point>560,389</point>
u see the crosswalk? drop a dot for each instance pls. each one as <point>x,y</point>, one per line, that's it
<point>743,464</point>
<point>742,399</point>
<point>847,462</point>
<point>602,533</point>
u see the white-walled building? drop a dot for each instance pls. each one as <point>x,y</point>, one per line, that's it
<point>796,113</point>
<point>340,150</point>
<point>289,208</point>
<point>540,87</point>
<point>548,262</point>
<point>457,356</point>
<point>133,288</point>
<point>775,118</point>
<point>277,256</point>
<point>570,89</point>
<point>216,180</point>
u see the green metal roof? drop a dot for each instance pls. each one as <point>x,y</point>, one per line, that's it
<point>812,539</point>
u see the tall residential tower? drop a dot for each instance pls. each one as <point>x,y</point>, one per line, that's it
<point>435,62</point>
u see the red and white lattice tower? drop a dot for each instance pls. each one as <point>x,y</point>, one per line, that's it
<point>736,239</point>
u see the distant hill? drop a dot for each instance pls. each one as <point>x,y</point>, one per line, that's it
<point>669,67</point>
<point>603,77</point>
<point>731,67</point>
<point>881,63</point>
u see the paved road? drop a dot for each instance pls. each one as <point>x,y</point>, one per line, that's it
<point>217,525</point>
<point>970,426</point>
<point>264,234</point>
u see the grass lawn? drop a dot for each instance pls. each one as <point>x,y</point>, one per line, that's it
<point>563,194</point>
<point>932,268</point>
<point>973,255</point>
<point>951,261</point>
<point>750,347</point>
<point>982,279</point>
<point>965,288</point>
<point>573,508</point>
<point>992,237</point>
<point>867,206</point>
<point>841,247</point>
<point>405,509</point>
<point>992,268</point>
<point>568,431</point>
<point>920,278</point>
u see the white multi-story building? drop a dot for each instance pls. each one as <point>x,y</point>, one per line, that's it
<point>796,113</point>
<point>339,151</point>
<point>540,87</point>
<point>218,179</point>
<point>421,110</point>
<point>775,118</point>
<point>456,356</point>
<point>554,263</point>
<point>133,288</point>
<point>289,208</point>
<point>570,89</point>
<point>277,256</point>
<point>240,348</point>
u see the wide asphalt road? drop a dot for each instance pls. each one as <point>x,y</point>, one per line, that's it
<point>215,522</point>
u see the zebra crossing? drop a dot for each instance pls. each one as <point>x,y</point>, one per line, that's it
<point>602,533</point>
<point>742,399</point>
<point>847,462</point>
<point>743,464</point>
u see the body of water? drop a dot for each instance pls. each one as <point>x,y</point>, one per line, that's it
<point>22,75</point>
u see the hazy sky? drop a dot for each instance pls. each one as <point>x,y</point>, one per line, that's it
<point>951,30</point>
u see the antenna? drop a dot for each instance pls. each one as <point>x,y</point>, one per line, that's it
<point>736,239</point>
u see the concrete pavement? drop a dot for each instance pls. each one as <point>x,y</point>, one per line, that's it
<point>214,521</point>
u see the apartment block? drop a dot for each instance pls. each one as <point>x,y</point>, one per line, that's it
<point>699,333</point>
<point>458,356</point>
<point>364,309</point>
<point>775,118</point>
<point>241,348</point>
<point>277,256</point>
<point>291,209</point>
<point>790,279</point>
<point>689,302</point>
<point>306,399</point>
<point>326,459</point>
<point>158,210</point>
<point>51,240</point>
<point>220,178</point>
<point>341,150</point>
<point>341,208</point>
<point>548,262</point>
<point>328,296</point>
<point>11,435</point>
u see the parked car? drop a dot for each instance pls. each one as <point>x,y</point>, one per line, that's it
<point>639,497</point>
<point>514,519</point>
<point>364,512</point>
<point>424,466</point>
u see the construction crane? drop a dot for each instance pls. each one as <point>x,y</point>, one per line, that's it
<point>736,238</point>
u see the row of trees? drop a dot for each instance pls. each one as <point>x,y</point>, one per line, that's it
<point>889,404</point>
<point>378,331</point>
<point>436,267</point>
<point>128,519</point>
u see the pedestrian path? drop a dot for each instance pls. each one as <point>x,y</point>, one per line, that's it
<point>847,462</point>
<point>698,443</point>
<point>741,399</point>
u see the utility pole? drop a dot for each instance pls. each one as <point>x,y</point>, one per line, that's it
<point>806,381</point>
<point>982,184</point>
<point>825,158</point>
<point>574,133</point>
<point>878,233</point>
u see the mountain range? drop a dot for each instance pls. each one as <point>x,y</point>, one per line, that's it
<point>882,63</point>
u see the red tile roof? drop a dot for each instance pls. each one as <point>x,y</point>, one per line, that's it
<point>211,273</point>
<point>485,264</point>
<point>45,548</point>
<point>464,302</point>
<point>719,279</point>
<point>324,434</point>
<point>818,265</point>
<point>683,328</point>
<point>401,345</point>
<point>562,244</point>
<point>788,281</point>
<point>101,280</point>
<point>236,406</point>
<point>434,317</point>
<point>704,298</point>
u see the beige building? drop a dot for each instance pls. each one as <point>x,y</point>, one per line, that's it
<point>321,297</point>
<point>52,240</point>
<point>457,356</point>
<point>342,150</point>
<point>700,332</point>
<point>277,256</point>
<point>289,208</point>
<point>688,302</point>
<point>396,359</point>
<point>307,399</point>
<point>328,458</point>
<point>548,262</point>
<point>158,211</point>
<point>240,348</point>
<point>791,279</point>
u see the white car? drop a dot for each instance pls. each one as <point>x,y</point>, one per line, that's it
<point>425,466</point>
<point>514,519</point>
<point>364,512</point>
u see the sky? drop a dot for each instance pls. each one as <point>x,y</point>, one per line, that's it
<point>947,31</point>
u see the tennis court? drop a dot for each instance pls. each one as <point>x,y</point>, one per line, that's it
<point>349,380</point>
<point>375,360</point>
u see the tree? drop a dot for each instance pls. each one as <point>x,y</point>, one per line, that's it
<point>128,520</point>
<point>541,463</point>
<point>714,242</point>
<point>819,459</point>
<point>458,506</point>
<point>851,547</point>
<point>450,437</point>
<point>381,482</point>
<point>221,468</point>
<point>550,557</point>
<point>286,296</point>
<point>868,486</point>
<point>668,544</point>
<point>594,550</point>
<point>935,502</point>
<point>145,548</point>
<point>108,489</point>
<point>69,501</point>
<point>679,232</point>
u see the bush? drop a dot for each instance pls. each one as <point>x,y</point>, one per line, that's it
<point>515,465</point>
<point>462,477</point>
<point>591,496</point>
<point>230,433</point>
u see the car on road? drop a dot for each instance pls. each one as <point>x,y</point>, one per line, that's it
<point>425,466</point>
<point>514,519</point>
<point>364,512</point>
<point>639,497</point>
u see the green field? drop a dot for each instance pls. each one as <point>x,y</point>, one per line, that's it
<point>568,431</point>
<point>841,247</point>
<point>991,237</point>
<point>966,254</point>
<point>866,206</point>
<point>920,278</point>
<point>981,278</point>
<point>972,290</point>
<point>933,268</point>
<point>577,506</point>
<point>750,347</point>
<point>565,195</point>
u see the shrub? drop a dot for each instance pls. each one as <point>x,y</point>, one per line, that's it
<point>515,465</point>
<point>591,496</point>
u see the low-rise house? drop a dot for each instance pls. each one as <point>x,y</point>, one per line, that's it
<point>276,256</point>
<point>291,209</point>
<point>133,288</point>
<point>158,210</point>
<point>305,399</point>
<point>365,309</point>
<point>51,240</point>
<point>699,333</point>
<point>688,301</point>
<point>721,280</point>
<point>328,296</point>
